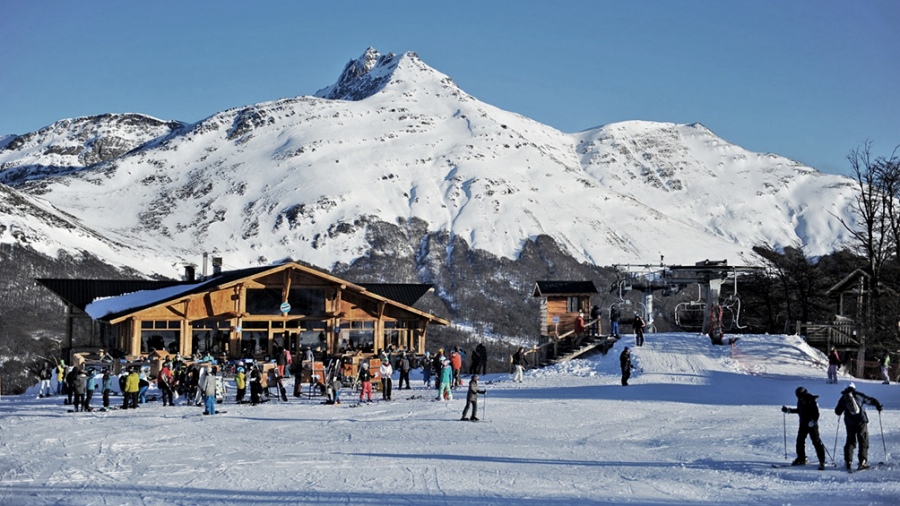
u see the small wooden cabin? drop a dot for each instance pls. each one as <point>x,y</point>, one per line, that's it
<point>251,311</point>
<point>563,300</point>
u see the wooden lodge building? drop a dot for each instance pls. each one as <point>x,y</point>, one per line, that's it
<point>245,312</point>
<point>561,301</point>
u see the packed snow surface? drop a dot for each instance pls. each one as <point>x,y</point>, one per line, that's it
<point>698,424</point>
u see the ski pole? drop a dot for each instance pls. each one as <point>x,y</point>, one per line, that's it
<point>836,431</point>
<point>883,444</point>
<point>784,424</point>
<point>484,408</point>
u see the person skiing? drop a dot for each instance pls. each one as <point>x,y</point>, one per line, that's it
<point>834,361</point>
<point>614,315</point>
<point>885,368</point>
<point>365,381</point>
<point>808,411</point>
<point>472,399</point>
<point>851,405</point>
<point>638,325</point>
<point>625,363</point>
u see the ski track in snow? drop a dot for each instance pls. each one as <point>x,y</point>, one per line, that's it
<point>699,424</point>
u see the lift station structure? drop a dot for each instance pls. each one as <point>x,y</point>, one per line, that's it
<point>709,275</point>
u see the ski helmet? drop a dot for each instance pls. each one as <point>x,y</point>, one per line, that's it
<point>800,391</point>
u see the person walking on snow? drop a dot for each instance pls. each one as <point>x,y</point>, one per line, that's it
<point>472,399</point>
<point>518,361</point>
<point>625,363</point>
<point>386,382</point>
<point>132,387</point>
<point>106,385</point>
<point>885,367</point>
<point>851,405</point>
<point>403,365</point>
<point>638,326</point>
<point>208,387</point>
<point>446,381</point>
<point>90,384</point>
<point>808,410</point>
<point>46,374</point>
<point>834,361</point>
<point>579,327</point>
<point>78,387</point>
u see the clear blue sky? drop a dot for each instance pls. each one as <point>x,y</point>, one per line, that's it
<point>809,80</point>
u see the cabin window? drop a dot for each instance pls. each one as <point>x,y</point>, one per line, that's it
<point>573,304</point>
<point>303,301</point>
<point>359,335</point>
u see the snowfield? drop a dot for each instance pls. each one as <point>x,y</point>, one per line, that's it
<point>698,424</point>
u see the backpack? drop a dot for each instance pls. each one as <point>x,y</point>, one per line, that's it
<point>850,404</point>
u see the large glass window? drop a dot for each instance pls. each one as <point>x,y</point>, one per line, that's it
<point>312,334</point>
<point>358,335</point>
<point>210,336</point>
<point>160,335</point>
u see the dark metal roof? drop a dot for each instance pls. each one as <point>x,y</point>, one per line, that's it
<point>404,293</point>
<point>81,292</point>
<point>544,288</point>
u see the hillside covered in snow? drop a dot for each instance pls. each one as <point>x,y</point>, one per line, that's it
<point>698,424</point>
<point>394,149</point>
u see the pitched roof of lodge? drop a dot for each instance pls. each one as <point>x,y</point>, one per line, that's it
<point>82,292</point>
<point>544,288</point>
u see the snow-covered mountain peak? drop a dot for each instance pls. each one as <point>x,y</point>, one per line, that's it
<point>373,72</point>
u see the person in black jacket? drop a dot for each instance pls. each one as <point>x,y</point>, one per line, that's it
<point>808,409</point>
<point>625,362</point>
<point>851,405</point>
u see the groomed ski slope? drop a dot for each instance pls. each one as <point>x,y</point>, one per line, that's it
<point>699,424</point>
